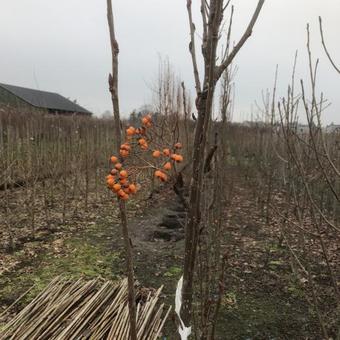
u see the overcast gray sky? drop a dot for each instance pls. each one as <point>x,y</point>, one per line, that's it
<point>63,46</point>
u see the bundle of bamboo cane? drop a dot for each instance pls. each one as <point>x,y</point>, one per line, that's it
<point>95,309</point>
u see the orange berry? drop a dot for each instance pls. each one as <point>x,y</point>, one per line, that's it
<point>179,158</point>
<point>121,193</point>
<point>145,120</point>
<point>173,156</point>
<point>124,153</point>
<point>161,175</point>
<point>123,181</point>
<point>118,166</point>
<point>114,172</point>
<point>144,146</point>
<point>117,187</point>
<point>132,188</point>
<point>114,159</point>
<point>164,177</point>
<point>125,147</point>
<point>178,146</point>
<point>125,197</point>
<point>156,153</point>
<point>158,173</point>
<point>167,166</point>
<point>166,152</point>
<point>123,174</point>
<point>131,131</point>
<point>110,182</point>
<point>141,141</point>
<point>108,177</point>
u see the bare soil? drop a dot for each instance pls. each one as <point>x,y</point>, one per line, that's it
<point>262,299</point>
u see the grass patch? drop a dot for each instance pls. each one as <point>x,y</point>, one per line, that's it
<point>83,255</point>
<point>260,317</point>
<point>173,271</point>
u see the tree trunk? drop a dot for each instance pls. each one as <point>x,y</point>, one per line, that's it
<point>192,227</point>
<point>113,84</point>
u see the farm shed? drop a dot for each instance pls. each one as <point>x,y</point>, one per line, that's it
<point>25,98</point>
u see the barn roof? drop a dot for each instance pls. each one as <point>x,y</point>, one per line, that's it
<point>43,99</point>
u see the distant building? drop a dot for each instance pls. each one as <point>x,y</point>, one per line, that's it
<point>302,129</point>
<point>332,128</point>
<point>54,103</point>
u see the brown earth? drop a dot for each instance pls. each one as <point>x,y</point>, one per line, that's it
<point>262,300</point>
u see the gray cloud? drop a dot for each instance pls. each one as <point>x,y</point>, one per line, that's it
<point>63,46</point>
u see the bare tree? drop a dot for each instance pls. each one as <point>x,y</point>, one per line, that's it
<point>212,13</point>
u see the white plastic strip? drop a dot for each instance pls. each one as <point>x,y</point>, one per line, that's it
<point>183,331</point>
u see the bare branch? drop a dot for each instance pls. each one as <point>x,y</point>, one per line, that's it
<point>245,37</point>
<point>113,78</point>
<point>192,48</point>
<point>205,15</point>
<point>226,51</point>
<point>325,47</point>
<point>226,5</point>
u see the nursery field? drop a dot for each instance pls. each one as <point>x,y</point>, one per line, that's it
<point>59,218</point>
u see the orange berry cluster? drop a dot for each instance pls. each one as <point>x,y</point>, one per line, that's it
<point>143,144</point>
<point>118,180</point>
<point>161,175</point>
<point>125,150</point>
<point>146,121</point>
